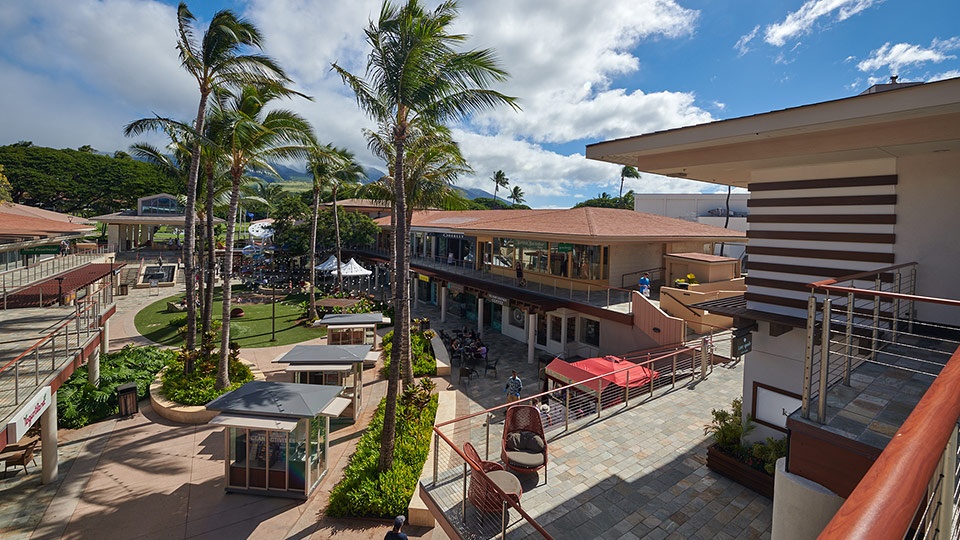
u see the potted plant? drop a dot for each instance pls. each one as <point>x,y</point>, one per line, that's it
<point>751,466</point>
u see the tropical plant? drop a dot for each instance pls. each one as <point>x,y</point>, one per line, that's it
<point>627,172</point>
<point>416,74</point>
<point>4,187</point>
<point>727,427</point>
<point>500,180</point>
<point>770,451</point>
<point>248,135</point>
<point>516,195</point>
<point>216,62</point>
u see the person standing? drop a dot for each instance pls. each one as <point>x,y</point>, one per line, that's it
<point>395,533</point>
<point>645,284</point>
<point>520,281</point>
<point>513,387</point>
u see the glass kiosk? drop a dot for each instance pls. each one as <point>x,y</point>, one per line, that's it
<point>277,436</point>
<point>339,365</point>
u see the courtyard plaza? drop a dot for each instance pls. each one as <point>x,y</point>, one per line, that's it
<point>636,474</point>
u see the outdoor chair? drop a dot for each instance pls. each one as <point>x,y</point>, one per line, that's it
<point>523,448</point>
<point>20,459</point>
<point>491,366</point>
<point>486,475</point>
<point>466,372</point>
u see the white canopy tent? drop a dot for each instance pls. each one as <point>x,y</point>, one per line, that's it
<point>328,265</point>
<point>351,269</point>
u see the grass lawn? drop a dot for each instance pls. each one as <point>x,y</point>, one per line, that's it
<point>250,331</point>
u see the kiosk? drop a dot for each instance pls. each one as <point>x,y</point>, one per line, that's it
<point>277,436</point>
<point>353,328</point>
<point>338,365</point>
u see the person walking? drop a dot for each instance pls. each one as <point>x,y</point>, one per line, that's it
<point>645,284</point>
<point>513,387</point>
<point>395,534</point>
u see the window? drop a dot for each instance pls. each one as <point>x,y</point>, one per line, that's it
<point>517,317</point>
<point>571,329</point>
<point>555,328</point>
<point>559,257</point>
<point>586,261</point>
<point>590,332</point>
<point>160,205</point>
<point>533,254</point>
<point>503,252</point>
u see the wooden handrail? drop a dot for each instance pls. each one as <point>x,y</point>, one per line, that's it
<point>884,503</point>
<point>858,275</point>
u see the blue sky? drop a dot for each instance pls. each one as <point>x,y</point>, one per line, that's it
<point>76,71</point>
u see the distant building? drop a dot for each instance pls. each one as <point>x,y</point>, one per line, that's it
<point>27,232</point>
<point>706,208</point>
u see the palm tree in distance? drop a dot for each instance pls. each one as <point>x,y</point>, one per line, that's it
<point>214,62</point>
<point>500,180</point>
<point>249,136</point>
<point>516,195</point>
<point>627,172</point>
<point>416,72</point>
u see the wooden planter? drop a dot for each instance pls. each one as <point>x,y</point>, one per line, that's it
<point>739,472</point>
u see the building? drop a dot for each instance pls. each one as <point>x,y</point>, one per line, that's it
<point>861,184</point>
<point>562,281</point>
<point>129,229</point>
<point>29,234</point>
<point>706,208</point>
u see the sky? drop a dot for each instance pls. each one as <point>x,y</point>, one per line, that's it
<point>74,72</point>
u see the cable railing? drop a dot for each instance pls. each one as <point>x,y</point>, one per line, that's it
<point>39,362</point>
<point>564,410</point>
<point>23,276</point>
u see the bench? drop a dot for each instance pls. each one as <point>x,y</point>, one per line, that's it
<point>442,355</point>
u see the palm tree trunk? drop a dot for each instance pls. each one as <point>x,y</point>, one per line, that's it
<point>211,256</point>
<point>621,186</point>
<point>201,261</point>
<point>336,229</point>
<point>189,235</point>
<point>312,300</point>
<point>223,374</point>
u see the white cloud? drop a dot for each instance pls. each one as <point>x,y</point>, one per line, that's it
<point>803,20</point>
<point>952,74</point>
<point>901,55</point>
<point>741,44</point>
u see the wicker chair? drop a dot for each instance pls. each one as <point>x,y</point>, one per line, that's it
<point>523,447</point>
<point>486,474</point>
<point>21,459</point>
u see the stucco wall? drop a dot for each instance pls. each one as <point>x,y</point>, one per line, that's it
<point>627,258</point>
<point>774,361</point>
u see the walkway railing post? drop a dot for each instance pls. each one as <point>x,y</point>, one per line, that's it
<point>876,321</point>
<point>848,340</point>
<point>896,307</point>
<point>703,358</point>
<point>566,411</point>
<point>503,520</point>
<point>486,452</point>
<point>824,363</point>
<point>436,455</point>
<point>463,501</point>
<point>808,357</point>
<point>626,391</point>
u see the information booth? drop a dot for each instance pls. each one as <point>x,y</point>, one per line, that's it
<point>354,329</point>
<point>277,436</point>
<point>338,365</point>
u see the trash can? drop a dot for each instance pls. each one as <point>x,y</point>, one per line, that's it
<point>122,289</point>
<point>127,399</point>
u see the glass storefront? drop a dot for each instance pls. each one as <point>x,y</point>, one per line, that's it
<point>275,461</point>
<point>578,261</point>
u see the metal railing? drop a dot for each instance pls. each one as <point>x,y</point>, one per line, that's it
<point>564,410</point>
<point>46,356</point>
<point>633,278</point>
<point>613,298</point>
<point>23,276</point>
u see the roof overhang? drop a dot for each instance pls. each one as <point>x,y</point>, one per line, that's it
<point>255,422</point>
<point>909,121</point>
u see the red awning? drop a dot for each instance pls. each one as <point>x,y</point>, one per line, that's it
<point>48,289</point>
<point>613,370</point>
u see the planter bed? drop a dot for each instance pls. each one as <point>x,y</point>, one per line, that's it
<point>738,471</point>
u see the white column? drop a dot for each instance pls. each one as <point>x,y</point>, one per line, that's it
<point>443,303</point>
<point>480,317</point>
<point>93,369</point>
<point>105,337</point>
<point>48,442</point>
<point>563,332</point>
<point>416,292</point>
<point>531,336</point>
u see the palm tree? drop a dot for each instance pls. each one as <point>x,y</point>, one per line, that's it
<point>500,180</point>
<point>516,195</point>
<point>214,62</point>
<point>249,135</point>
<point>416,72</point>
<point>627,172</point>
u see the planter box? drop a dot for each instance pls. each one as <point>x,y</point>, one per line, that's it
<point>739,472</point>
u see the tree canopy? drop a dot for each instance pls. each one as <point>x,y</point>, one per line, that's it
<point>78,182</point>
<point>605,200</point>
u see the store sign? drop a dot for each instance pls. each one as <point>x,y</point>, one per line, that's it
<point>498,300</point>
<point>422,277</point>
<point>52,249</point>
<point>28,415</point>
<point>741,345</point>
<point>452,235</point>
<point>564,248</point>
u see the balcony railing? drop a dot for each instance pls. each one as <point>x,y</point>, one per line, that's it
<point>564,410</point>
<point>871,319</point>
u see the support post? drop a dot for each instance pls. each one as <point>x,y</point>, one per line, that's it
<point>48,440</point>
<point>531,336</point>
<point>480,317</point>
<point>824,363</point>
<point>444,293</point>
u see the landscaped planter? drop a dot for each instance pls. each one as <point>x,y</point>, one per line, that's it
<point>739,472</point>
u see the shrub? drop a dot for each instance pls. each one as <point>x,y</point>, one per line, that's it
<point>198,387</point>
<point>80,403</point>
<point>769,452</point>
<point>363,492</point>
<point>424,363</point>
<point>727,427</point>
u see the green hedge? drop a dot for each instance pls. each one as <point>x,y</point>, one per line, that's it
<point>424,363</point>
<point>363,492</point>
<point>197,388</point>
<point>80,403</point>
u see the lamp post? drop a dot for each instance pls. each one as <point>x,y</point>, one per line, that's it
<point>273,297</point>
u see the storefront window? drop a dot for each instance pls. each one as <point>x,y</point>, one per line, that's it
<point>503,252</point>
<point>517,317</point>
<point>590,332</point>
<point>586,261</point>
<point>559,258</point>
<point>238,458</point>
<point>318,456</point>
<point>533,254</point>
<point>606,263</point>
<point>571,329</point>
<point>297,450</point>
<point>556,329</point>
<point>541,330</point>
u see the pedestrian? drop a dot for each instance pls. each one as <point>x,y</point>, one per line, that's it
<point>450,258</point>
<point>513,387</point>
<point>395,533</point>
<point>160,260</point>
<point>645,284</point>
<point>520,280</point>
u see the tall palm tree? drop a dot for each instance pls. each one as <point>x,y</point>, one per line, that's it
<point>319,165</point>
<point>416,70</point>
<point>249,136</point>
<point>516,195</point>
<point>215,61</point>
<point>500,180</point>
<point>627,172</point>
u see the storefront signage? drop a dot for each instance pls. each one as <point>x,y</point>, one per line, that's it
<point>28,415</point>
<point>453,235</point>
<point>455,287</point>
<point>564,248</point>
<point>52,249</point>
<point>498,300</point>
<point>422,277</point>
<point>741,345</point>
